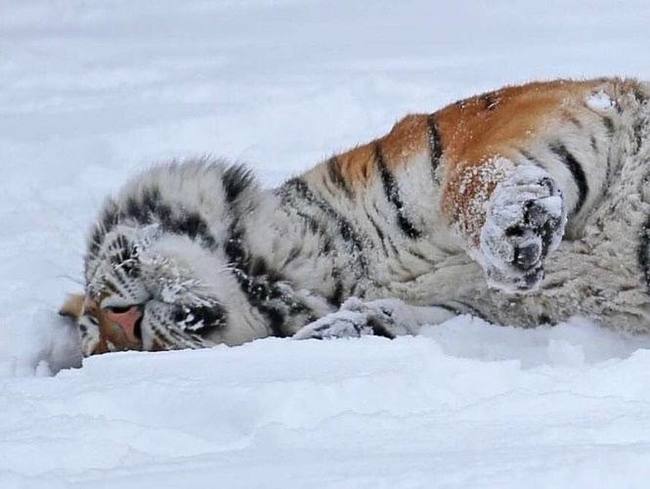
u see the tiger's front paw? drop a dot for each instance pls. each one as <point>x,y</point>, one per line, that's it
<point>355,318</point>
<point>525,221</point>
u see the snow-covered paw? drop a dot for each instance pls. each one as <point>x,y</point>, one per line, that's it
<point>354,319</point>
<point>525,221</point>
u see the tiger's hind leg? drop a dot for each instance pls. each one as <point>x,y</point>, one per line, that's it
<point>525,220</point>
<point>384,317</point>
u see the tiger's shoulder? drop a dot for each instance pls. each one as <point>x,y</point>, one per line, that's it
<point>567,125</point>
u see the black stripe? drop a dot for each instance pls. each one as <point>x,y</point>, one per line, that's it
<point>293,254</point>
<point>122,250</point>
<point>108,218</point>
<point>576,170</point>
<point>573,120</point>
<point>336,299</point>
<point>235,249</point>
<point>151,208</point>
<point>639,96</point>
<point>200,320</point>
<point>391,190</point>
<point>643,253</point>
<point>336,177</point>
<point>147,208</point>
<point>110,286</point>
<point>531,158</point>
<point>95,241</point>
<point>420,256</point>
<point>638,128</point>
<point>379,329</point>
<point>297,187</point>
<point>137,211</point>
<point>379,232</point>
<point>236,179</point>
<point>265,288</point>
<point>388,237</point>
<point>489,100</point>
<point>609,125</point>
<point>435,144</point>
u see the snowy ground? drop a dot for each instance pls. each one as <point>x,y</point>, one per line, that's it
<point>93,91</point>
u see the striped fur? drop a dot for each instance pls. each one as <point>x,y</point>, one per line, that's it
<point>463,209</point>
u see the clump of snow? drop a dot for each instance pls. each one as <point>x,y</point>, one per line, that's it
<point>600,101</point>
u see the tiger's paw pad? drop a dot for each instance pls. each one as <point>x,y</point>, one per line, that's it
<point>525,221</point>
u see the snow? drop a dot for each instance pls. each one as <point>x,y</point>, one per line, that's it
<point>94,91</point>
<point>463,405</point>
<point>600,101</point>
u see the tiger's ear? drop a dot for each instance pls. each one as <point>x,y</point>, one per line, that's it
<point>73,306</point>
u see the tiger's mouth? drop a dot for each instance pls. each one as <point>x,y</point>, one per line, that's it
<point>129,319</point>
<point>106,330</point>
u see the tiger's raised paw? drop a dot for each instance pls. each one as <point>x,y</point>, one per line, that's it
<point>525,221</point>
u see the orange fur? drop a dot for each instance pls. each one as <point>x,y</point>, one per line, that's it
<point>471,131</point>
<point>406,139</point>
<point>493,123</point>
<point>357,165</point>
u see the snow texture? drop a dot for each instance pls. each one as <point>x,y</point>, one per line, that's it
<point>94,91</point>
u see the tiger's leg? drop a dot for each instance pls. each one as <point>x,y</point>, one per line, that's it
<point>524,221</point>
<point>383,317</point>
<point>509,214</point>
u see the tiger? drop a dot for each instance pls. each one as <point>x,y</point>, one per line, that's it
<point>522,206</point>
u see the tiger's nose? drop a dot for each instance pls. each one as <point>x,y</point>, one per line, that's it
<point>129,320</point>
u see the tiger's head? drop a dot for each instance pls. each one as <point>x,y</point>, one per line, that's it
<point>165,258</point>
<point>150,290</point>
